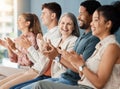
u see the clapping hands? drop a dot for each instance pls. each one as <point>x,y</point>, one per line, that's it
<point>73,58</point>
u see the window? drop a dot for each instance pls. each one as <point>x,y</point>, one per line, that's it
<point>8,23</point>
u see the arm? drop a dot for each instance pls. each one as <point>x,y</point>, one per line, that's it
<point>20,52</point>
<point>11,54</point>
<point>33,54</point>
<point>54,52</point>
<point>32,39</point>
<point>3,43</point>
<point>88,49</point>
<point>68,65</point>
<point>69,47</point>
<point>105,67</point>
<point>66,60</point>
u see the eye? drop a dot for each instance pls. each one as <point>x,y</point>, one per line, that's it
<point>69,23</point>
<point>62,23</point>
<point>95,20</point>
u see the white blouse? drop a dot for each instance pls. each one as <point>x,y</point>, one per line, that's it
<point>94,61</point>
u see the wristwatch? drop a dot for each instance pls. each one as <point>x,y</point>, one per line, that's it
<point>81,67</point>
<point>58,58</point>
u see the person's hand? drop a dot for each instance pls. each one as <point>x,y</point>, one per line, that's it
<point>51,52</point>
<point>39,36</point>
<point>10,43</point>
<point>59,50</point>
<point>3,43</point>
<point>40,42</point>
<point>73,58</point>
<point>23,42</point>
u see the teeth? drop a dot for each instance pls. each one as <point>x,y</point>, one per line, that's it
<point>65,30</point>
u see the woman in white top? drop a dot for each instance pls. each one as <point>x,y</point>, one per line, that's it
<point>102,69</point>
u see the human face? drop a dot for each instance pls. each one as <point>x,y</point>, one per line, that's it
<point>84,18</point>
<point>21,22</point>
<point>66,26</point>
<point>46,16</point>
<point>99,25</point>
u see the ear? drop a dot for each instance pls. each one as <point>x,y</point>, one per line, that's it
<point>109,24</point>
<point>53,15</point>
<point>28,23</point>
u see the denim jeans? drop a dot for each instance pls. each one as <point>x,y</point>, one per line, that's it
<point>56,80</point>
<point>52,85</point>
<point>61,80</point>
<point>19,86</point>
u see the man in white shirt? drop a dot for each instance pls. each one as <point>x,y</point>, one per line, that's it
<point>50,15</point>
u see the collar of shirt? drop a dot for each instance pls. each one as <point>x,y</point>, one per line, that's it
<point>104,41</point>
<point>53,29</point>
<point>85,34</point>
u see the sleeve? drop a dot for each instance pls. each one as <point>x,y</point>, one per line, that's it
<point>40,61</point>
<point>57,67</point>
<point>33,54</point>
<point>13,58</point>
<point>71,44</point>
<point>32,39</point>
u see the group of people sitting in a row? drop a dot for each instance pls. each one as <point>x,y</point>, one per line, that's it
<point>62,58</point>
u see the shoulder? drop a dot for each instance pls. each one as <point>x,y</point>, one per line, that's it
<point>113,50</point>
<point>73,37</point>
<point>31,34</point>
<point>113,47</point>
<point>93,39</point>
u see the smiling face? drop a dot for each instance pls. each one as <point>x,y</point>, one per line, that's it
<point>100,27</point>
<point>84,18</point>
<point>66,26</point>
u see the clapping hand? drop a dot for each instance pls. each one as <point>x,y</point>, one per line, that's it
<point>23,42</point>
<point>51,52</point>
<point>40,42</point>
<point>10,43</point>
<point>3,43</point>
<point>73,58</point>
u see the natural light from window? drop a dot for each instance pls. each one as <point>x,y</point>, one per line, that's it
<point>8,23</point>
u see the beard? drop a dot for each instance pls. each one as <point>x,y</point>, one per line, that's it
<point>84,25</point>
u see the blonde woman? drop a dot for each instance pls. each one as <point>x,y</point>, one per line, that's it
<point>29,25</point>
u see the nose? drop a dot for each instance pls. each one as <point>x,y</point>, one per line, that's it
<point>79,17</point>
<point>91,23</point>
<point>65,26</point>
